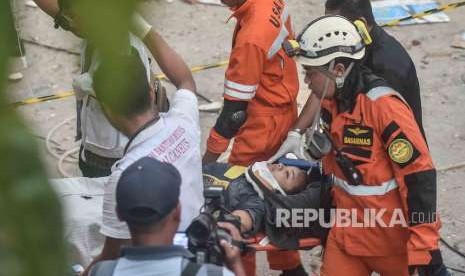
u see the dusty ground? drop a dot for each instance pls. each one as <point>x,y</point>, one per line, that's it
<point>201,35</point>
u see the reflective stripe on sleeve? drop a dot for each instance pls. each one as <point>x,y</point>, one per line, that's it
<point>240,87</point>
<point>365,190</point>
<point>283,33</point>
<point>381,91</point>
<point>239,95</point>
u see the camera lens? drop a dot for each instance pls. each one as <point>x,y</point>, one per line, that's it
<point>200,230</point>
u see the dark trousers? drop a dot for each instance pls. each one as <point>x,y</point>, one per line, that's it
<point>95,165</point>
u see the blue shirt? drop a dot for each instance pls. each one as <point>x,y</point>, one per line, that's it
<point>156,260</point>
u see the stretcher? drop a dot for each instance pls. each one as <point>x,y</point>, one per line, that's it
<point>257,243</point>
<point>82,200</point>
<point>260,242</point>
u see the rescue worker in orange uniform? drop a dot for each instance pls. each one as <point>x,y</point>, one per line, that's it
<point>385,56</point>
<point>378,161</point>
<point>260,90</point>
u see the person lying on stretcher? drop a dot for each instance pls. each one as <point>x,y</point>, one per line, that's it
<point>255,193</point>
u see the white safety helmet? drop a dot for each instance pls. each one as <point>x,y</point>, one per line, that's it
<point>327,38</point>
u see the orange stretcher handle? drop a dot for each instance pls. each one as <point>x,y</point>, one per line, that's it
<point>303,244</point>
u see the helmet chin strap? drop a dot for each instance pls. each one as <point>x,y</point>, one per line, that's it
<point>339,80</point>
<point>325,88</point>
<point>315,125</point>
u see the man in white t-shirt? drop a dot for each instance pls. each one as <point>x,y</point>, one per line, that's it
<point>172,137</point>
<point>101,144</point>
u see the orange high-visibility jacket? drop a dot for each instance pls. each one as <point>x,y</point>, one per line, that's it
<point>259,70</point>
<point>385,144</point>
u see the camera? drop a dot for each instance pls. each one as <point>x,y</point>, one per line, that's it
<point>203,233</point>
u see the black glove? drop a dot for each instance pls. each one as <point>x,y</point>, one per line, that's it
<point>435,268</point>
<point>430,270</point>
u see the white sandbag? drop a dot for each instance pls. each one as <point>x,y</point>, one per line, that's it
<point>82,200</point>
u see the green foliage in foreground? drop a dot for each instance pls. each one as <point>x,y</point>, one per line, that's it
<point>31,230</point>
<point>31,222</point>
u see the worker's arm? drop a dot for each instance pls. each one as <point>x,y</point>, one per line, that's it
<point>232,117</point>
<point>241,82</point>
<point>50,7</point>
<point>170,62</point>
<point>110,251</point>
<point>308,113</point>
<point>233,259</point>
<point>416,176</point>
<point>292,144</point>
<point>209,156</point>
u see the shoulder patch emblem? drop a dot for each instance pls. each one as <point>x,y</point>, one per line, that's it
<point>400,150</point>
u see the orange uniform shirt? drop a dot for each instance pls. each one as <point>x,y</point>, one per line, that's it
<point>259,70</point>
<point>383,140</point>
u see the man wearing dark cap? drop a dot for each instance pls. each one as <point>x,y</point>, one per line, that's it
<point>147,198</point>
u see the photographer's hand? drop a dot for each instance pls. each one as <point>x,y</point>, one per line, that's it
<point>232,253</point>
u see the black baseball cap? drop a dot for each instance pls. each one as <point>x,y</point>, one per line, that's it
<point>147,191</point>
